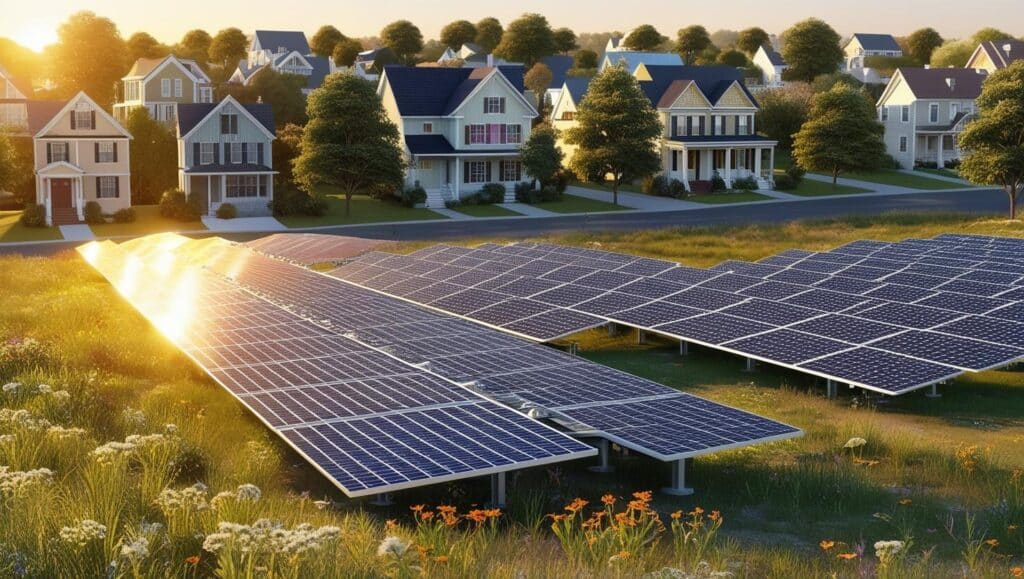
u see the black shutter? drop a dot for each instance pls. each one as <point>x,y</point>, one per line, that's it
<point>465,172</point>
<point>714,127</point>
<point>675,126</point>
<point>245,153</point>
<point>96,150</point>
<point>117,187</point>
<point>675,160</point>
<point>115,151</point>
<point>502,101</point>
<point>489,164</point>
<point>73,120</point>
<point>92,119</point>
<point>216,154</point>
<point>467,135</point>
<point>259,153</point>
<point>98,187</point>
<point>196,154</point>
<point>223,124</point>
<point>689,125</point>
<point>701,122</point>
<point>49,154</point>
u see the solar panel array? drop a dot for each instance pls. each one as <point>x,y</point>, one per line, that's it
<point>889,317</point>
<point>313,248</point>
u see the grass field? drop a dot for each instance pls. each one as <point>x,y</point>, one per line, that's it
<point>147,220</point>
<point>942,476</point>
<point>363,210</point>
<point>12,230</point>
<point>812,188</point>
<point>576,204</point>
<point>486,211</point>
<point>901,179</point>
<point>730,197</point>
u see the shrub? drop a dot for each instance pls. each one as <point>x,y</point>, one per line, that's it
<point>796,173</point>
<point>657,185</point>
<point>93,213</point>
<point>126,215</point>
<point>227,211</point>
<point>953,164</point>
<point>784,182</point>
<point>174,205</point>
<point>717,183</point>
<point>561,180</point>
<point>527,193</point>
<point>492,193</point>
<point>33,215</point>
<point>926,165</point>
<point>745,184</point>
<point>550,193</point>
<point>414,196</point>
<point>677,189</point>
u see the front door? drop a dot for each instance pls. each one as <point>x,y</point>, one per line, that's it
<point>60,193</point>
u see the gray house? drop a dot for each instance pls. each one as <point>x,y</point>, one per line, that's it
<point>224,155</point>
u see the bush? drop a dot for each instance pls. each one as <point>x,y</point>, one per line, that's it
<point>926,165</point>
<point>677,189</point>
<point>784,182</point>
<point>657,185</point>
<point>550,193</point>
<point>492,193</point>
<point>953,164</point>
<point>414,196</point>
<point>291,201</point>
<point>33,215</point>
<point>717,183</point>
<point>745,184</point>
<point>562,179</point>
<point>93,213</point>
<point>174,205</point>
<point>126,215</point>
<point>227,211</point>
<point>527,193</point>
<point>796,173</point>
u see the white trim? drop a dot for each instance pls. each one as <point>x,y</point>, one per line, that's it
<point>167,60</point>
<point>70,106</point>
<point>508,84</point>
<point>216,110</point>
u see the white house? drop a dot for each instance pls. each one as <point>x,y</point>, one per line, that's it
<point>14,94</point>
<point>633,58</point>
<point>991,56</point>
<point>461,127</point>
<point>860,47</point>
<point>283,51</point>
<point>772,66</point>
<point>563,110</point>
<point>614,44</point>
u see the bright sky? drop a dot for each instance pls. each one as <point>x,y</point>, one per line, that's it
<point>34,23</point>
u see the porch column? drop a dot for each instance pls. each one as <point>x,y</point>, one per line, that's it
<point>223,194</point>
<point>186,187</point>
<point>49,203</point>
<point>79,197</point>
<point>458,178</point>
<point>771,164</point>
<point>728,168</point>
<point>938,158</point>
<point>666,161</point>
<point>685,154</point>
<point>258,179</point>
<point>270,186</point>
<point>758,152</point>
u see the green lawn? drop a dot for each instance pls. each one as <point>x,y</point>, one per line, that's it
<point>147,220</point>
<point>900,179</point>
<point>942,172</point>
<point>486,211</point>
<point>721,198</point>
<point>812,188</point>
<point>574,204</point>
<point>11,230</point>
<point>364,210</point>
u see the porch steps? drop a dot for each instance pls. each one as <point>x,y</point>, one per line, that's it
<point>435,200</point>
<point>65,216</point>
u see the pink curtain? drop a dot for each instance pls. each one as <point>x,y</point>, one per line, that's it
<point>495,134</point>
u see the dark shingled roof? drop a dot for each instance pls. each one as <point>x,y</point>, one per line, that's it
<point>774,57</point>
<point>877,41</point>
<point>559,65</point>
<point>432,92</point>
<point>439,145</point>
<point>713,81</point>
<point>577,87</point>
<point>996,51</point>
<point>321,68</point>
<point>932,83</point>
<point>191,114</point>
<point>42,112</point>
<point>291,40</point>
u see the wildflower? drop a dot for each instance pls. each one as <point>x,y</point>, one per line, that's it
<point>992,543</point>
<point>826,545</point>
<point>83,533</point>
<point>417,508</point>
<point>855,442</point>
<point>905,502</point>
<point>192,498</point>
<point>171,428</point>
<point>134,417</point>
<point>61,396</point>
<point>715,516</point>
<point>248,492</point>
<point>618,557</point>
<point>886,551</point>
<point>576,505</point>
<point>608,499</point>
<point>441,559</point>
<point>11,387</point>
<point>1017,572</point>
<point>63,433</point>
<point>7,438</point>
<point>391,524</point>
<point>1011,528</point>
<point>676,515</point>
<point>193,560</point>
<point>44,389</point>
<point>136,550</point>
<point>392,546</point>
<point>16,483</point>
<point>846,556</point>
<point>150,528</point>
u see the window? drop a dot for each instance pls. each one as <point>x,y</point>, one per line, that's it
<point>105,152</point>
<point>494,134</point>
<point>905,114</point>
<point>477,134</point>
<point>477,171</point>
<point>954,109</point>
<point>494,105</point>
<point>177,88</point>
<point>241,186</point>
<point>165,87</point>
<point>511,170</point>
<point>236,153</point>
<point>568,115</point>
<point>743,125</point>
<point>165,112</point>
<point>206,153</point>
<point>252,155</point>
<point>106,188</point>
<point>513,134</point>
<point>229,124</point>
<point>717,130</point>
<point>83,119</point>
<point>428,128</point>
<point>933,113</point>
<point>426,165</point>
<point>206,95</point>
<point>885,113</point>
<point>903,144</point>
<point>58,152</point>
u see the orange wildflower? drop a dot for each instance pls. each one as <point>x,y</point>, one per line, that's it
<point>992,543</point>
<point>608,499</point>
<point>576,505</point>
<point>1017,572</point>
<point>1012,528</point>
<point>715,515</point>
<point>417,508</point>
<point>441,559</point>
<point>826,545</point>
<point>644,496</point>
<point>696,512</point>
<point>677,515</point>
<point>427,515</point>
<point>846,556</point>
<point>905,502</point>
<point>193,560</point>
<point>390,524</point>
<point>446,509</point>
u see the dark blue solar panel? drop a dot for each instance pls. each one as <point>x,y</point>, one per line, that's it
<point>652,288</point>
<point>825,300</point>
<point>846,328</point>
<point>1013,312</point>
<point>537,268</point>
<point>568,386</point>
<point>646,267</point>
<point>798,276</point>
<point>747,268</point>
<point>568,273</point>
<point>819,266</point>
<point>705,299</point>
<point>607,279</point>
<point>509,311</point>
<point>468,300</point>
<point>497,280</point>
<point>1002,267</point>
<point>654,314</point>
<point>1015,294</point>
<point>935,270</point>
<point>849,285</point>
<point>950,350</point>
<point>878,370</point>
<point>526,287</point>
<point>773,290</point>
<point>975,288</point>
<point>471,277</point>
<point>568,295</point>
<point>990,277</point>
<point>909,315</point>
<point>445,272</point>
<point>786,346</point>
<point>963,303</point>
<point>687,275</point>
<point>610,302</point>
<point>774,313</point>
<point>916,280</point>
<point>899,293</point>
<point>413,284</point>
<point>433,292</point>
<point>551,325</point>
<point>731,282</point>
<point>714,328</point>
<point>864,272</point>
<point>993,330</point>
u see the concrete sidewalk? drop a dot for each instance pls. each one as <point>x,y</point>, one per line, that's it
<point>635,200</point>
<point>527,210</point>
<point>79,232</point>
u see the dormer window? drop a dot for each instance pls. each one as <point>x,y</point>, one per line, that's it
<point>428,128</point>
<point>494,105</point>
<point>229,124</point>
<point>84,119</point>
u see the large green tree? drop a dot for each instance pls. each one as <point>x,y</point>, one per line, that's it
<point>811,47</point>
<point>489,33</point>
<point>584,59</point>
<point>565,40</point>
<point>324,41</point>
<point>11,166</point>
<point>783,111</point>
<point>196,46</point>
<point>150,140</point>
<point>692,40</point>
<point>285,150</point>
<point>228,47</point>
<point>732,57</point>
<point>615,132</point>
<point>751,39</point>
<point>993,144</point>
<point>349,142</point>
<point>143,45</point>
<point>645,38</point>
<point>922,43</point>
<point>528,39</point>
<point>842,134</point>
<point>954,53</point>
<point>404,39</point>
<point>541,156</point>
<point>346,51</point>
<point>19,61</point>
<point>283,92</point>
<point>455,34</point>
<point>89,55</point>
<point>989,34</point>
<point>538,79</point>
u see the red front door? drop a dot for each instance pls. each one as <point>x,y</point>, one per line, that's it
<point>60,193</point>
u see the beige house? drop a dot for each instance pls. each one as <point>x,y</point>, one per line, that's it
<point>14,94</point>
<point>160,85</point>
<point>860,47</point>
<point>81,154</point>
<point>995,55</point>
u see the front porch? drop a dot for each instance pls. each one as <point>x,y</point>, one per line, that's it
<point>454,177</point>
<point>695,163</point>
<point>60,189</point>
<point>250,192</point>
<point>938,148</point>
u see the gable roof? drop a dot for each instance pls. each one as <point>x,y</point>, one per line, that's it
<point>634,58</point>
<point>931,83</point>
<point>56,112</point>
<point>559,65</point>
<point>291,40</point>
<point>577,87</point>
<point>773,56</point>
<point>433,92</point>
<point>877,41</point>
<point>40,113</point>
<point>713,81</point>
<point>23,86</point>
<point>143,67</point>
<point>191,115</point>
<point>1002,53</point>
<point>321,68</point>
<point>615,42</point>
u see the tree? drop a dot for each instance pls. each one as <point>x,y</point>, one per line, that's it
<point>584,59</point>
<point>732,57</point>
<point>691,40</point>
<point>324,41</point>
<point>142,45</point>
<point>989,35</point>
<point>922,43</point>
<point>887,65</point>
<point>150,140</point>
<point>346,51</point>
<point>538,79</point>
<point>19,61</point>
<point>825,82</point>
<point>541,157</point>
<point>284,152</point>
<point>811,48</point>
<point>11,166</point>
<point>455,34</point>
<point>228,47</point>
<point>349,142</point>
<point>645,38</point>
<point>404,39</point>
<point>528,39</point>
<point>283,92</point>
<point>752,39</point>
<point>615,131</point>
<point>706,57</point>
<point>489,33</point>
<point>89,55</point>
<point>783,111</point>
<point>565,40</point>
<point>954,53</point>
<point>195,45</point>
<point>842,134</point>
<point>724,38</point>
<point>993,144</point>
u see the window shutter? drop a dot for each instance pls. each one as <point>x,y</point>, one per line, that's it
<point>259,153</point>
<point>467,135</point>
<point>245,153</point>
<point>488,170</point>
<point>196,154</point>
<point>117,186</point>
<point>96,150</point>
<point>675,160</point>
<point>689,125</point>
<point>701,122</point>
<point>115,151</point>
<point>49,153</point>
<point>465,172</point>
<point>98,187</point>
<point>216,154</point>
<point>73,127</point>
<point>504,134</point>
<point>502,101</point>
<point>713,127</point>
<point>675,126</point>
<point>223,124</point>
<point>92,119</point>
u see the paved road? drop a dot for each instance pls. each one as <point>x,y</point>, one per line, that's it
<point>991,201</point>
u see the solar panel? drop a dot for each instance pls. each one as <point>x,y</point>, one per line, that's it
<point>1001,332</point>
<point>899,293</point>
<point>713,328</point>
<point>731,282</point>
<point>846,328</point>
<point>881,371</point>
<point>825,300</point>
<point>774,313</point>
<point>568,273</point>
<point>646,267</point>
<point>798,276</point>
<point>687,275</point>
<point>975,288</point>
<point>909,315</point>
<point>610,302</point>
<point>950,350</point>
<point>652,288</point>
<point>526,287</point>
<point>554,324</point>
<point>773,290</point>
<point>705,299</point>
<point>787,346</point>
<point>849,285</point>
<point>963,303</point>
<point>568,295</point>
<point>654,314</point>
<point>607,280</point>
<point>468,301</point>
<point>509,311</point>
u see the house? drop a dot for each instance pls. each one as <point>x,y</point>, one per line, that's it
<point>991,56</point>
<point>563,110</point>
<point>560,65</point>
<point>632,59</point>
<point>772,66</point>
<point>365,65</point>
<point>471,56</point>
<point>461,127</point>
<point>81,154</point>
<point>924,110</point>
<point>224,155</point>
<point>860,47</point>
<point>160,85</point>
<point>14,95</point>
<point>285,52</point>
<point>615,44</point>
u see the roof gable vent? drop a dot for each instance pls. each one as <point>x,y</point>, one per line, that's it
<point>951,83</point>
<point>1007,48</point>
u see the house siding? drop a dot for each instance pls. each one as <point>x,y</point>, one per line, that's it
<point>209,132</point>
<point>171,72</point>
<point>472,112</point>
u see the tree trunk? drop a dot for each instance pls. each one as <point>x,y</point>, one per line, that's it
<point>615,192</point>
<point>835,178</point>
<point>348,203</point>
<point>1012,193</point>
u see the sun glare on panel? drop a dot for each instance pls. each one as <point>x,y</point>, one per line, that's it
<point>129,276</point>
<point>180,309</point>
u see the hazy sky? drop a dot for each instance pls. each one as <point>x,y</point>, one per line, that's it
<point>33,23</point>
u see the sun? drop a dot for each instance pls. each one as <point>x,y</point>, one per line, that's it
<point>35,35</point>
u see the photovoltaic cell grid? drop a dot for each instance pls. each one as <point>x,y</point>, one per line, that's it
<point>312,248</point>
<point>967,290</point>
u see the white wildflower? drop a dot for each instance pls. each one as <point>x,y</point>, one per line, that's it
<point>220,498</point>
<point>193,498</point>
<point>86,531</point>
<point>62,432</point>
<point>136,550</point>
<point>111,452</point>
<point>150,528</point>
<point>22,419</point>
<point>7,438</point>
<point>248,492</point>
<point>855,442</point>
<point>171,428</point>
<point>886,551</point>
<point>61,396</point>
<point>133,416</point>
<point>17,482</point>
<point>392,546</point>
<point>215,541</point>
<point>44,389</point>
<point>11,387</point>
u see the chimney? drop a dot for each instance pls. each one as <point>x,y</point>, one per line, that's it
<point>927,66</point>
<point>951,82</point>
<point>1006,48</point>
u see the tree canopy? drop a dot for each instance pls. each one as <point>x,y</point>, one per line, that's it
<point>283,92</point>
<point>346,51</point>
<point>89,55</point>
<point>993,144</point>
<point>349,142</point>
<point>541,156</point>
<point>615,131</point>
<point>457,33</point>
<point>842,134</point>
<point>645,38</point>
<point>11,167</point>
<point>955,53</point>
<point>692,40</point>
<point>752,39</point>
<point>195,45</point>
<point>811,48</point>
<point>150,140</point>
<point>922,43</point>
<point>989,34</point>
<point>584,59</point>
<point>732,58</point>
<point>528,39</point>
<point>538,79</point>
<point>565,40</point>
<point>404,39</point>
<point>228,47</point>
<point>783,111</point>
<point>324,41</point>
<point>489,33</point>
<point>143,45</point>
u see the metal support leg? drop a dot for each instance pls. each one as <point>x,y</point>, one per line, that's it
<point>574,349</point>
<point>684,348</point>
<point>641,337</point>
<point>678,487</point>
<point>933,392</point>
<point>603,449</point>
<point>831,389</point>
<point>382,500</point>
<point>498,490</point>
<point>751,365</point>
<point>613,329</point>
